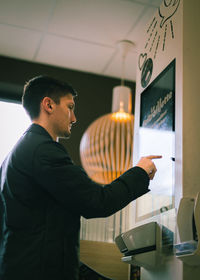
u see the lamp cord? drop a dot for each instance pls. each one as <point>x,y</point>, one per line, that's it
<point>123,70</point>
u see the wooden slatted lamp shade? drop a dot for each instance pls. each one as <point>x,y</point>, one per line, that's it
<point>106,147</point>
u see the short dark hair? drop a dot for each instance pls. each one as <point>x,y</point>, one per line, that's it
<point>39,87</point>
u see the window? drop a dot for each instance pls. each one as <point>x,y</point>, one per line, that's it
<point>14,121</point>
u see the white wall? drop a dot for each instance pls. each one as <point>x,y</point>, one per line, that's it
<point>179,39</point>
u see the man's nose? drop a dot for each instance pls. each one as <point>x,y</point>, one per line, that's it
<point>73,119</point>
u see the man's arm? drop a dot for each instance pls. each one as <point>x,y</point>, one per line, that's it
<point>72,188</point>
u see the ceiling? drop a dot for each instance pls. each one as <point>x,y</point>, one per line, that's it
<point>75,34</point>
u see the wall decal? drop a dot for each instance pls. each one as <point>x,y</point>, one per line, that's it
<point>142,60</point>
<point>146,72</point>
<point>157,36</point>
<point>167,10</point>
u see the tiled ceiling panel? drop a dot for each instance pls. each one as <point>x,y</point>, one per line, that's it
<point>136,33</point>
<point>115,68</point>
<point>18,42</point>
<point>73,53</point>
<point>33,14</point>
<point>76,34</point>
<point>102,22</point>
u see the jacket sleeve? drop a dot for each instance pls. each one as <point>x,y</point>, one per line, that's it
<point>71,187</point>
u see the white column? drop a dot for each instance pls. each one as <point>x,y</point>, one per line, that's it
<point>173,33</point>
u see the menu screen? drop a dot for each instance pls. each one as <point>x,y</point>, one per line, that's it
<point>157,137</point>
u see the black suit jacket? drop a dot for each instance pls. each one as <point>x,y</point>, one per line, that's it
<point>43,195</point>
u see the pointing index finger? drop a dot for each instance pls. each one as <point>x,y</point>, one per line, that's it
<point>154,156</point>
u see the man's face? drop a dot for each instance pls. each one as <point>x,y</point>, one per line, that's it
<point>63,116</point>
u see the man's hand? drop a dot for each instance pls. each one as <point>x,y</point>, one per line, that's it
<point>147,164</point>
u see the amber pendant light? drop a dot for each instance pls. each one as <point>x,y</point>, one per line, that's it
<point>106,147</point>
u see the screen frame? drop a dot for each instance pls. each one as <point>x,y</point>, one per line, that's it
<point>171,67</point>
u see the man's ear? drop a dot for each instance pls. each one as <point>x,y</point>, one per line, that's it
<point>47,104</point>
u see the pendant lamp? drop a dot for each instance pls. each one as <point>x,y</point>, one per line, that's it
<point>106,147</point>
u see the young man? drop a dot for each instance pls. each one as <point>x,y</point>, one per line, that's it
<point>43,194</point>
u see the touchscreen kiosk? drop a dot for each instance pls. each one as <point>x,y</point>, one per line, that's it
<point>157,137</point>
